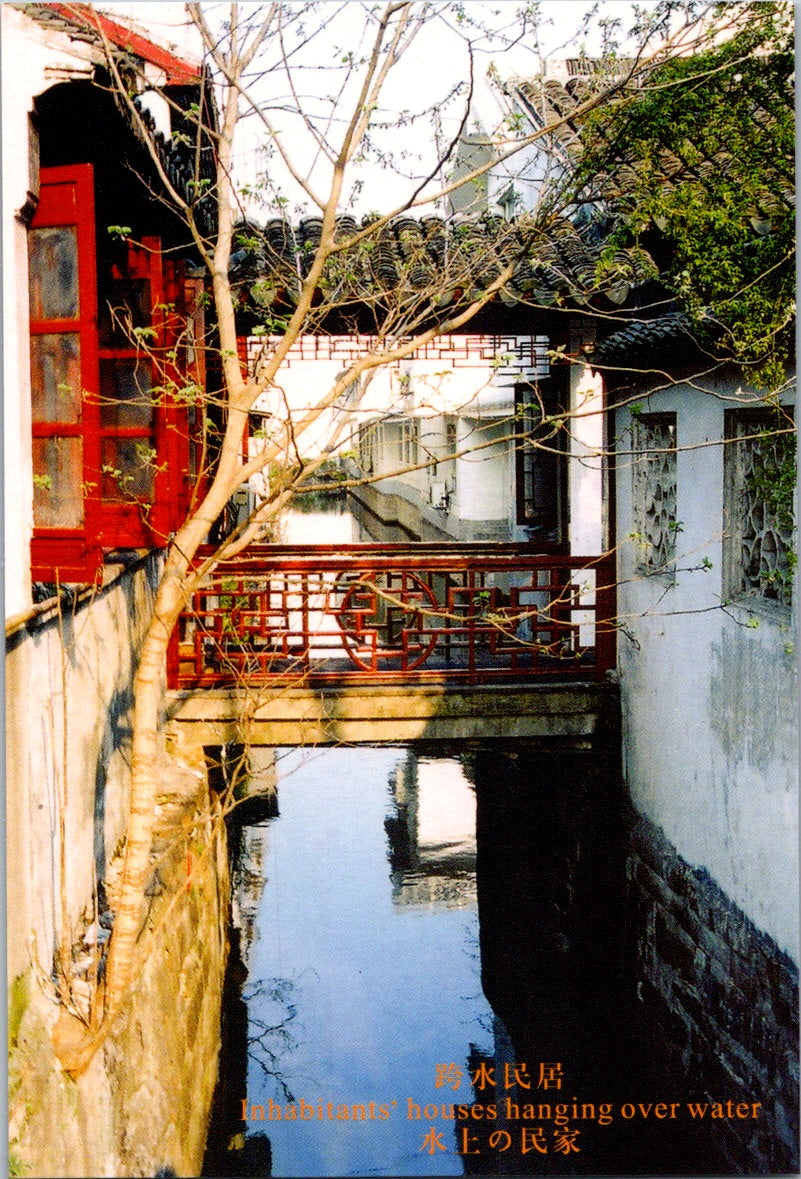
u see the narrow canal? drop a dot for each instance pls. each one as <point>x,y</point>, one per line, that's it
<point>360,940</point>
<point>429,971</point>
<point>428,974</point>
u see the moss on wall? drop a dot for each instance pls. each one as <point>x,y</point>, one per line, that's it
<point>143,1103</point>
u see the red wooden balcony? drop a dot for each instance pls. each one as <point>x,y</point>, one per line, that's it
<point>396,613</point>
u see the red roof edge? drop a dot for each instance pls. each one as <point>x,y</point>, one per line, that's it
<point>179,72</point>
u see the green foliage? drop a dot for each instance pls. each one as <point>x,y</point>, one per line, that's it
<point>145,454</point>
<point>15,1164</point>
<point>18,1000</point>
<point>186,393</point>
<point>246,241</point>
<point>773,477</point>
<point>702,163</point>
<point>233,603</point>
<point>264,292</point>
<point>773,480</point>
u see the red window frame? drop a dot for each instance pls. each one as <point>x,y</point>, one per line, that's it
<point>123,522</point>
<point>72,554</point>
<point>113,517</point>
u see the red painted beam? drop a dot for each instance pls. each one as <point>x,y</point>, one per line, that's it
<point>179,72</point>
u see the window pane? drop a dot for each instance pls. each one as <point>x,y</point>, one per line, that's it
<point>53,257</point>
<point>125,393</point>
<point>56,378</point>
<point>540,469</point>
<point>127,469</point>
<point>58,482</point>
<point>124,304</point>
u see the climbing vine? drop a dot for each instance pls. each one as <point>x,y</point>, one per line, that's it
<point>702,163</point>
<point>772,480</point>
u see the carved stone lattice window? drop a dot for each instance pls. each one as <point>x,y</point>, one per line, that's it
<point>759,477</point>
<point>654,489</point>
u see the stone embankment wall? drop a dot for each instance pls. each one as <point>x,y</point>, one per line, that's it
<point>717,1005</point>
<point>390,510</point>
<point>142,1106</point>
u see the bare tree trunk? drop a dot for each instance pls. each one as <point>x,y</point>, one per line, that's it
<point>147,707</point>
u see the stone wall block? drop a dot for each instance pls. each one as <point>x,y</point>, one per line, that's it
<point>714,947</point>
<point>651,883</point>
<point>674,946</point>
<point>718,1002</point>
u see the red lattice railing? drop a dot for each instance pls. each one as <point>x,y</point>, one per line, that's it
<point>410,613</point>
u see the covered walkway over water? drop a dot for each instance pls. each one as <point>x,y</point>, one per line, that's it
<point>316,644</point>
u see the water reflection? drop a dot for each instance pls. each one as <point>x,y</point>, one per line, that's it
<point>247,885</point>
<point>336,517</point>
<point>432,835</point>
<point>363,962</point>
<point>364,1008</point>
<point>367,1009</point>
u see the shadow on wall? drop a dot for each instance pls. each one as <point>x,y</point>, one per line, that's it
<point>116,736</point>
<point>80,650</point>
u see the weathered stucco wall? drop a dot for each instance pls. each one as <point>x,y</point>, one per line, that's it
<point>710,748</point>
<point>21,77</point>
<point>68,695</point>
<point>585,470</point>
<point>142,1106</point>
<point>708,694</point>
<point>143,1102</point>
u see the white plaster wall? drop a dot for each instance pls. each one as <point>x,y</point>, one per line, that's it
<point>440,477</point>
<point>299,391</point>
<point>585,470</point>
<point>709,703</point>
<point>463,380</point>
<point>483,472</point>
<point>17,463</point>
<point>429,389</point>
<point>22,75</point>
<point>467,390</point>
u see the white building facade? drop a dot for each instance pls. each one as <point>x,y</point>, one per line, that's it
<point>707,649</point>
<point>444,444</point>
